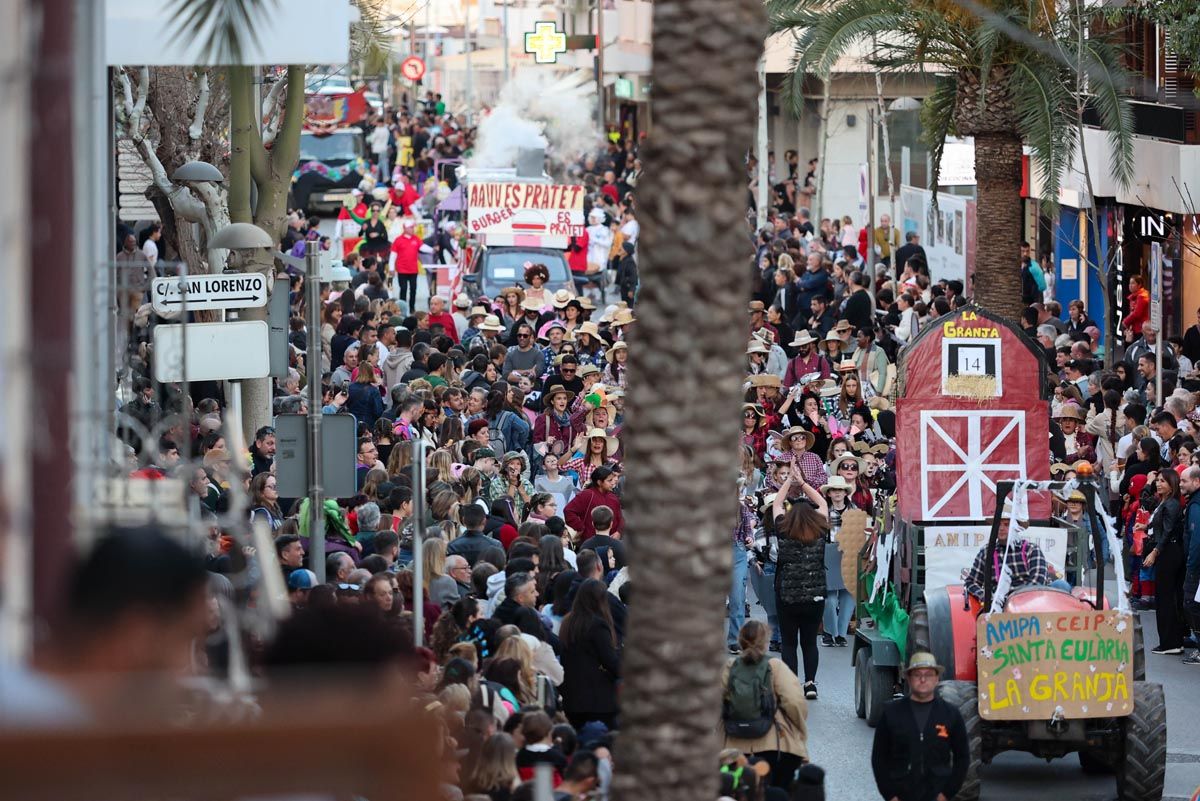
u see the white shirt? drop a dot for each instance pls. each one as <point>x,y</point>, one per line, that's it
<point>150,251</point>
<point>1125,447</point>
<point>631,230</point>
<point>379,139</point>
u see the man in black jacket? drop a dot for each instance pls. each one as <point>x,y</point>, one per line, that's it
<point>471,544</point>
<point>518,606</point>
<point>859,310</point>
<point>921,752</point>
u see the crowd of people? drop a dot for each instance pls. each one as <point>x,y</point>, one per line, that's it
<point>519,400</point>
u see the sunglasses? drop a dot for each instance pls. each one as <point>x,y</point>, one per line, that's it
<point>852,467</point>
<point>522,336</point>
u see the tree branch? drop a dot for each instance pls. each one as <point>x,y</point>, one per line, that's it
<point>287,144</point>
<point>244,131</point>
<point>273,112</point>
<point>139,107</point>
<point>125,107</point>
<point>197,128</point>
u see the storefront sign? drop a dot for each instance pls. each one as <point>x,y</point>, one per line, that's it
<point>1043,665</point>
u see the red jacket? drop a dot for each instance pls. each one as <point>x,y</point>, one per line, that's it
<point>578,513</point>
<point>1139,311</point>
<point>406,247</point>
<point>445,318</point>
<point>404,200</point>
<point>577,253</point>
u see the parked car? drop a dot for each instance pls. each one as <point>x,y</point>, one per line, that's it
<point>497,267</point>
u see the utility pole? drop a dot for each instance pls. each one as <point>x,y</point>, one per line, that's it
<point>600,122</point>
<point>418,500</point>
<point>312,363</point>
<point>504,35</point>
<point>761,199</point>
<point>467,47</point>
<point>869,256</point>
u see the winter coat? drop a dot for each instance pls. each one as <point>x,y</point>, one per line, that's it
<point>523,617</point>
<point>591,673</point>
<point>470,545</point>
<point>800,571</point>
<point>578,513</point>
<point>365,403</point>
<point>790,733</point>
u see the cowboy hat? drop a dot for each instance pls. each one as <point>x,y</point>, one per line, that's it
<point>561,298</point>
<point>557,389</point>
<point>477,311</point>
<point>842,325</point>
<point>587,369</point>
<point>1071,411</point>
<point>508,290</point>
<point>766,380</point>
<point>599,433</point>
<point>1076,496</point>
<point>1058,468</point>
<point>622,317</point>
<point>609,311</point>
<point>529,304</point>
<point>802,338</point>
<point>610,354</point>
<point>879,403</point>
<point>837,463</point>
<point>586,303</point>
<point>462,302</point>
<point>756,346</point>
<point>880,448</point>
<point>846,366</point>
<point>795,431</point>
<point>589,328</point>
<point>836,483</point>
<point>753,407</point>
<point>923,659</point>
<point>756,306</point>
<point>491,323</point>
<point>833,337</point>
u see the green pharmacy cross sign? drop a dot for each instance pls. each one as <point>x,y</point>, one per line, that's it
<point>545,43</point>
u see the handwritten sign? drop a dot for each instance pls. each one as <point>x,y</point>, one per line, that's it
<point>525,209</point>
<point>1070,664</point>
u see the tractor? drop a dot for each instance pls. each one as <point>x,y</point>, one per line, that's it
<point>1042,690</point>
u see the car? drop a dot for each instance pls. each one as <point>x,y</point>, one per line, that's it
<point>497,267</point>
<point>339,154</point>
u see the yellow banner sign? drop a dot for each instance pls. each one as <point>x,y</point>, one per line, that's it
<point>1067,664</point>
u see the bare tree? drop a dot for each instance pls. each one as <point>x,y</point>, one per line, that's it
<point>686,380</point>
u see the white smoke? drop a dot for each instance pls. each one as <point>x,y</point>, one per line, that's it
<point>538,109</point>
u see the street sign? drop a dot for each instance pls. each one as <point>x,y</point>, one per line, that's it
<point>212,351</point>
<point>1156,285</point>
<point>278,317</point>
<point>545,43</point>
<point>208,292</point>
<point>338,448</point>
<point>412,68</point>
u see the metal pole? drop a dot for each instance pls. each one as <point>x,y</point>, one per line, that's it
<point>869,256</point>
<point>470,89</point>
<point>761,200</point>
<point>428,56</point>
<point>504,34</point>
<point>312,367</point>
<point>418,499</point>
<point>600,123</point>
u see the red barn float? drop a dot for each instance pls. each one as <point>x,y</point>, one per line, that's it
<point>972,411</point>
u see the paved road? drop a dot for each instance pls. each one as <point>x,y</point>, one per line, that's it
<point>841,743</point>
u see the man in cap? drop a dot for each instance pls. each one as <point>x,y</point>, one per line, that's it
<point>806,361</point>
<point>921,751</point>
<point>758,318</point>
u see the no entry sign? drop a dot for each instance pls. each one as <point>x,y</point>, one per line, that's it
<point>201,292</point>
<point>412,68</point>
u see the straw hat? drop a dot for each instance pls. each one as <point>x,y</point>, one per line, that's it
<point>557,389</point>
<point>756,306</point>
<point>836,483</point>
<point>609,311</point>
<point>923,659</point>
<point>477,311</point>
<point>587,369</point>
<point>1071,411</point>
<point>491,323</point>
<point>794,431</point>
<point>847,456</point>
<point>609,356</point>
<point>589,328</point>
<point>879,403</point>
<point>623,317</point>
<point>561,298</point>
<point>529,304</point>
<point>832,337</point>
<point>462,302</point>
<point>843,325</point>
<point>1059,468</point>
<point>756,346</point>
<point>587,303</point>
<point>508,290</point>
<point>802,338</point>
<point>599,433</point>
<point>846,366</point>
<point>754,407</point>
<point>1076,496</point>
<point>766,380</point>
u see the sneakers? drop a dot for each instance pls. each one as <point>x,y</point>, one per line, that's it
<point>734,648</point>
<point>840,642</point>
<point>1193,658</point>
<point>1162,650</point>
<point>810,690</point>
<point>827,640</point>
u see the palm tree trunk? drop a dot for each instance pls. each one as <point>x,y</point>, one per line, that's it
<point>997,283</point>
<point>685,380</point>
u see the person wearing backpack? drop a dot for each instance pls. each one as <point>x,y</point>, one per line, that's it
<point>764,711</point>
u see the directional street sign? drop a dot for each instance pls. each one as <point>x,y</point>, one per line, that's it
<point>412,68</point>
<point>203,292</point>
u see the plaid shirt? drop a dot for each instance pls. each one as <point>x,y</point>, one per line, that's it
<point>1025,561</point>
<point>743,532</point>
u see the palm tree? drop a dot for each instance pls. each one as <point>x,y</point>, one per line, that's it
<point>1009,72</point>
<point>685,384</point>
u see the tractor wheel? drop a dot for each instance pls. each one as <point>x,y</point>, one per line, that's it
<point>963,695</point>
<point>1139,650</point>
<point>1143,767</point>
<point>918,629</point>
<point>860,682</point>
<point>880,682</point>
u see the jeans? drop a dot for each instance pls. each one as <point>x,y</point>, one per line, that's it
<point>798,624</point>
<point>737,593</point>
<point>385,175</point>
<point>764,588</point>
<point>839,608</point>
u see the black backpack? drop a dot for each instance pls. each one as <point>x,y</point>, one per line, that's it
<point>748,711</point>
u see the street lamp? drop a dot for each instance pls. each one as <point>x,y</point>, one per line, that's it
<point>905,104</point>
<point>196,171</point>
<point>241,236</point>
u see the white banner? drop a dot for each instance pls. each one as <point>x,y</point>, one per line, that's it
<point>948,235</point>
<point>524,210</point>
<point>950,550</point>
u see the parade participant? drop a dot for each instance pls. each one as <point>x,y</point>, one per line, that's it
<point>592,448</point>
<point>403,264</point>
<point>795,444</point>
<point>920,751</point>
<point>839,602</point>
<point>807,361</point>
<point>754,429</point>
<point>1025,561</point>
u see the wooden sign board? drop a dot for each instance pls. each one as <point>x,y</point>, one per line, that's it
<point>850,539</point>
<point>1071,664</point>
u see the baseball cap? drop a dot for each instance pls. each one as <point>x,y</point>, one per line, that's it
<point>302,579</point>
<point>483,453</point>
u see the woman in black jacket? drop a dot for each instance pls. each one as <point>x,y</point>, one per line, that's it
<point>1167,559</point>
<point>590,659</point>
<point>802,531</point>
<point>1146,457</point>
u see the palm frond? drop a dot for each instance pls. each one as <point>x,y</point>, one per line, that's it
<point>226,29</point>
<point>1045,117</point>
<point>826,32</point>
<point>937,124</point>
<point>1105,81</point>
